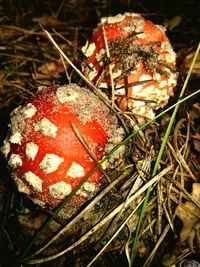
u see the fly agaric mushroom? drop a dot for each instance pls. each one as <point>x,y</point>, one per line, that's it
<point>141,60</point>
<point>44,152</point>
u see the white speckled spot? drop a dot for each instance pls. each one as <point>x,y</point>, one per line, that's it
<point>16,138</point>
<point>141,35</point>
<point>120,90</point>
<point>92,74</point>
<point>103,85</point>
<point>150,114</point>
<point>90,187</point>
<point>82,192</point>
<point>85,47</point>
<point>157,76</point>
<point>117,74</point>
<point>148,91</point>
<point>171,57</point>
<point>76,170</point>
<point>145,77</point>
<point>41,88</point>
<point>128,28</point>
<point>100,55</point>
<point>163,84</point>
<point>118,18</point>
<point>150,98</point>
<point>166,46</point>
<point>88,50</point>
<point>46,127</point>
<point>33,180</point>
<point>29,110</point>
<point>66,94</point>
<point>15,161</point>
<point>86,189</point>
<point>172,79</point>
<point>38,202</point>
<point>114,19</point>
<point>60,190</point>
<point>139,104</point>
<point>31,150</point>
<point>50,163</point>
<point>137,88</point>
<point>21,186</point>
<point>5,149</point>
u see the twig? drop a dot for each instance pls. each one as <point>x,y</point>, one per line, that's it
<point>83,142</point>
<point>81,214</point>
<point>115,234</point>
<point>109,66</point>
<point>102,222</point>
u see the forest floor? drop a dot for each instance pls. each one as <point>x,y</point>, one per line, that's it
<point>170,230</point>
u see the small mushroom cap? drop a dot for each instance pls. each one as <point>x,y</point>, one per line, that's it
<point>45,152</point>
<point>141,58</point>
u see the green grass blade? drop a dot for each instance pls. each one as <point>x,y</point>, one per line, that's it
<point>46,224</point>
<point>162,148</point>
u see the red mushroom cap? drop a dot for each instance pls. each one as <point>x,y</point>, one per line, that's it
<point>46,157</point>
<point>141,58</point>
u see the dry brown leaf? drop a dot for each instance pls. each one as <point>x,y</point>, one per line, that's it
<point>53,69</point>
<point>31,224</point>
<point>197,145</point>
<point>189,213</point>
<point>173,23</point>
<point>6,33</point>
<point>196,68</point>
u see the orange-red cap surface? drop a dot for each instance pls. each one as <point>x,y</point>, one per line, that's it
<point>44,149</point>
<point>141,58</point>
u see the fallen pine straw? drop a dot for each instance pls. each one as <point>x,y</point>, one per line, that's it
<point>169,191</point>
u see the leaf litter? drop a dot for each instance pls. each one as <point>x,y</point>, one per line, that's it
<point>167,235</point>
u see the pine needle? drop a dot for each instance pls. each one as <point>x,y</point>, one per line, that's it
<point>157,163</point>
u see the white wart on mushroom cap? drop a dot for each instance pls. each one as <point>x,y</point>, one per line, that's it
<point>46,157</point>
<point>141,58</point>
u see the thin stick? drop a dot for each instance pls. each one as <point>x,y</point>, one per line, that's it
<point>95,168</point>
<point>158,159</point>
<point>83,142</point>
<point>109,65</point>
<point>154,180</point>
<point>148,261</point>
<point>101,95</point>
<point>115,234</point>
<point>81,214</point>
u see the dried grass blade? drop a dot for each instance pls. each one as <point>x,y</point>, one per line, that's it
<point>35,238</point>
<point>154,180</point>
<point>162,148</point>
